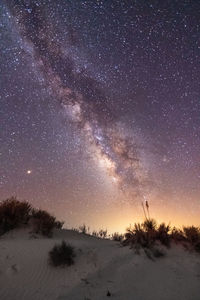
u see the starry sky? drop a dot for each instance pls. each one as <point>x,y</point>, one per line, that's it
<point>100,109</point>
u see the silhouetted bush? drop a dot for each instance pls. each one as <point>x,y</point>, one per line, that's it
<point>117,237</point>
<point>59,224</point>
<point>102,233</point>
<point>13,213</point>
<point>177,235</point>
<point>141,235</point>
<point>62,255</point>
<point>162,234</point>
<point>192,234</point>
<point>83,229</point>
<point>146,235</point>
<point>95,233</point>
<point>149,225</point>
<point>44,223</point>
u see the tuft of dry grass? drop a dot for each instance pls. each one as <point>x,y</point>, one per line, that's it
<point>62,255</point>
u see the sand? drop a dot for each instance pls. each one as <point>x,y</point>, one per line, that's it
<point>100,266</point>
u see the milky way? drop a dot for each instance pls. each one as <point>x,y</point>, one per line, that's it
<point>80,94</point>
<point>99,98</point>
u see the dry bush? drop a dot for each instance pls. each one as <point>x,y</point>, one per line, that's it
<point>83,229</point>
<point>13,213</point>
<point>146,234</point>
<point>192,234</point>
<point>149,225</point>
<point>162,234</point>
<point>62,255</point>
<point>102,233</point>
<point>95,233</point>
<point>44,223</point>
<point>141,235</point>
<point>116,236</point>
<point>135,236</point>
<point>177,235</point>
<point>59,224</point>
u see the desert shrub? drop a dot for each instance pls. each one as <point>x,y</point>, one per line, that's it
<point>137,236</point>
<point>177,235</point>
<point>59,224</point>
<point>95,233</point>
<point>102,233</point>
<point>43,222</point>
<point>146,234</point>
<point>62,255</point>
<point>99,234</point>
<point>13,213</point>
<point>162,234</point>
<point>83,229</point>
<point>116,236</point>
<point>149,225</point>
<point>192,234</point>
<point>143,235</point>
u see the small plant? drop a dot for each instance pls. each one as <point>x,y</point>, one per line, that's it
<point>62,255</point>
<point>95,233</point>
<point>102,233</point>
<point>83,229</point>
<point>117,237</point>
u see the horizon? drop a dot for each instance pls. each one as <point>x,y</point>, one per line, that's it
<point>121,226</point>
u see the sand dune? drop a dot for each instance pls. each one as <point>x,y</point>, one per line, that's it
<point>100,265</point>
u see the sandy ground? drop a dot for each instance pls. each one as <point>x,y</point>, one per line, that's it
<point>100,265</point>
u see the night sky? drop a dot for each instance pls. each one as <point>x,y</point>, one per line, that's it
<point>100,109</point>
